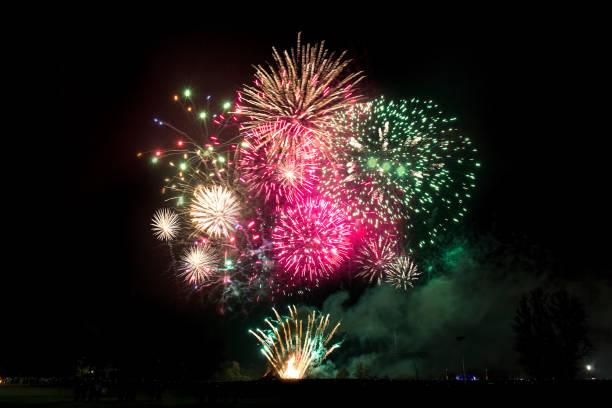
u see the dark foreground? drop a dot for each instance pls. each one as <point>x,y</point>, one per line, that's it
<point>316,393</point>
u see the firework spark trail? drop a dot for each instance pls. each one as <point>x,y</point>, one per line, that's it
<point>202,155</point>
<point>375,258</point>
<point>282,138</point>
<point>201,159</point>
<point>165,224</point>
<point>291,351</point>
<point>285,182</point>
<point>402,162</point>
<point>311,239</point>
<point>307,86</point>
<point>215,210</point>
<point>199,265</point>
<point>402,273</point>
<point>278,178</point>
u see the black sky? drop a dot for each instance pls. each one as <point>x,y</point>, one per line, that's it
<point>88,278</point>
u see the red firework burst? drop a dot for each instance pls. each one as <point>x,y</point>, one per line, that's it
<point>311,239</point>
<point>278,177</point>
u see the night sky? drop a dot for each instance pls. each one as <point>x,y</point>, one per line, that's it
<point>85,275</point>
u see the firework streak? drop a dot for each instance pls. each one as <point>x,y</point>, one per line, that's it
<point>293,348</point>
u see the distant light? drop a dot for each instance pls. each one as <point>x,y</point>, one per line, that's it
<point>589,367</point>
<point>202,115</point>
<point>227,105</point>
<point>154,160</point>
<point>187,93</point>
<point>183,166</point>
<point>221,159</point>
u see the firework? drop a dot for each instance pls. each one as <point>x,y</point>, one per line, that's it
<point>277,178</point>
<point>199,265</point>
<point>367,199</point>
<point>165,224</point>
<point>203,148</point>
<point>375,259</point>
<point>401,162</point>
<point>202,171</point>
<point>311,239</point>
<point>215,210</point>
<point>402,273</point>
<point>323,171</point>
<point>306,86</point>
<point>292,349</point>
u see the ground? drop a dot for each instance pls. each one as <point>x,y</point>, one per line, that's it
<point>317,393</point>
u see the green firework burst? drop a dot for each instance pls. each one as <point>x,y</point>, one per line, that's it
<point>401,162</point>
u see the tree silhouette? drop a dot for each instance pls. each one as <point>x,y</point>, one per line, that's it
<point>362,371</point>
<point>342,373</point>
<point>231,371</point>
<point>551,334</point>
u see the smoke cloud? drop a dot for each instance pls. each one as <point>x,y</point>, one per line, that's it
<point>462,309</point>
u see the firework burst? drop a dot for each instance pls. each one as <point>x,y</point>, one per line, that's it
<point>311,239</point>
<point>215,210</point>
<point>277,178</point>
<point>199,265</point>
<point>375,258</point>
<point>292,349</point>
<point>323,172</point>
<point>306,86</point>
<point>403,162</point>
<point>402,273</point>
<point>165,224</point>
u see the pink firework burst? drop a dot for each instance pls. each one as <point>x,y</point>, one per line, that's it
<point>278,178</point>
<point>311,239</point>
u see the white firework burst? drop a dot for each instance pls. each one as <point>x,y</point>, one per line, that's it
<point>375,259</point>
<point>402,273</point>
<point>215,210</point>
<point>199,265</point>
<point>165,224</point>
<point>289,173</point>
